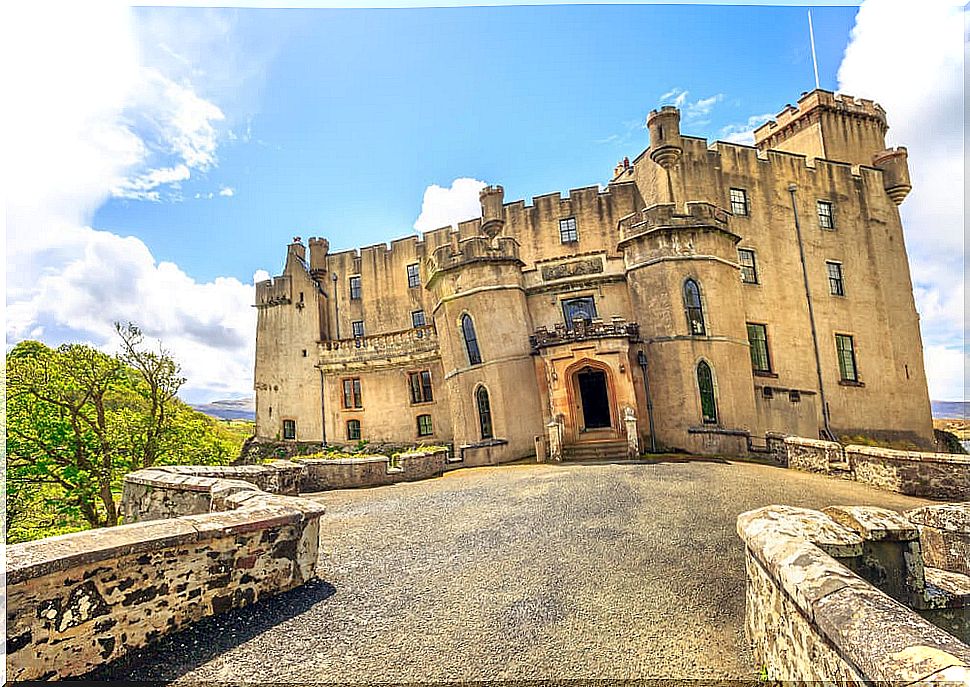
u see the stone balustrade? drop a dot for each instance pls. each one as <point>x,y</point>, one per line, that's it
<point>584,330</point>
<point>407,344</point>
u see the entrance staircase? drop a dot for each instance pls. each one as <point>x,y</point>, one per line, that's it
<point>614,449</point>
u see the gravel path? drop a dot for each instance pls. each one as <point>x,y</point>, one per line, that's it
<point>618,570</point>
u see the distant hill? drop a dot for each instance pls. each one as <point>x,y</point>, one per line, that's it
<point>951,410</point>
<point>235,409</point>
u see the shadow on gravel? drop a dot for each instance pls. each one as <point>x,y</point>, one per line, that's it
<point>178,653</point>
<point>648,459</point>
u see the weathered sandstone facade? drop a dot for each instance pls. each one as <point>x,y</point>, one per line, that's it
<point>713,293</point>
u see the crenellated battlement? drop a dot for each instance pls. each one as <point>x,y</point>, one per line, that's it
<point>472,250</point>
<point>665,216</point>
<point>810,107</point>
<point>275,291</point>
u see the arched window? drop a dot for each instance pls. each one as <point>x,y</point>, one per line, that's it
<point>471,341</point>
<point>705,382</point>
<point>484,412</point>
<point>695,311</point>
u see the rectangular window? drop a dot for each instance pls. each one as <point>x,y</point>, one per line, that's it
<point>352,397</point>
<point>739,202</point>
<point>355,288</point>
<point>826,219</point>
<point>414,276</point>
<point>749,266</point>
<point>424,426</point>
<point>758,341</point>
<point>353,430</point>
<point>289,429</point>
<point>836,284</point>
<point>420,385</point>
<point>567,230</point>
<point>357,327</point>
<point>845,349</point>
<point>417,318</point>
<point>578,308</point>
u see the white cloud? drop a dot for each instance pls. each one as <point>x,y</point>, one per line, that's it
<point>260,275</point>
<point>227,191</point>
<point>693,112</point>
<point>909,57</point>
<point>93,120</point>
<point>743,132</point>
<point>443,207</point>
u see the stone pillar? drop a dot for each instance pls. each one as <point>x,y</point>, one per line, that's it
<point>632,435</point>
<point>555,443</point>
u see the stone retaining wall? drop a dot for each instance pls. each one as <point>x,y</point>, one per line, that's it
<point>322,474</point>
<point>810,618</point>
<point>80,600</point>
<point>944,476</point>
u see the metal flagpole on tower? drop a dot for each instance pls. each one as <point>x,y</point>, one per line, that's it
<point>811,37</point>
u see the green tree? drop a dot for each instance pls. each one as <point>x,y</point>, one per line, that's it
<point>79,419</point>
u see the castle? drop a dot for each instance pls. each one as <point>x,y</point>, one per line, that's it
<point>708,296</point>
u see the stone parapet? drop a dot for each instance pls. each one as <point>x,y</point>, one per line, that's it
<point>322,474</point>
<point>80,600</point>
<point>810,106</point>
<point>393,348</point>
<point>473,249</point>
<point>945,533</point>
<point>584,330</point>
<point>664,216</point>
<point>275,291</point>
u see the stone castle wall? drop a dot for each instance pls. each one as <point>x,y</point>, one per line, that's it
<point>322,474</point>
<point>80,600</point>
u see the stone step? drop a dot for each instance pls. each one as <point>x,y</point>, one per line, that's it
<point>603,450</point>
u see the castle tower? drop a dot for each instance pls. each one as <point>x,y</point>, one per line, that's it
<point>829,126</point>
<point>685,291</point>
<point>666,145</point>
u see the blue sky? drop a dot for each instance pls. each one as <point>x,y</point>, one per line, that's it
<point>165,155</point>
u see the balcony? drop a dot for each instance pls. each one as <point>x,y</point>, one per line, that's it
<point>585,330</point>
<point>381,350</point>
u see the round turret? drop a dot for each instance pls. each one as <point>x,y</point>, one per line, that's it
<point>666,146</point>
<point>318,254</point>
<point>895,172</point>
<point>493,217</point>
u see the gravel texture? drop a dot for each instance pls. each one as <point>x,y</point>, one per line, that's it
<point>522,572</point>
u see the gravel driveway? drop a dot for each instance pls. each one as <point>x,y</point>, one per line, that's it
<point>615,570</point>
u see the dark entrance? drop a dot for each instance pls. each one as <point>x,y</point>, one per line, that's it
<point>595,398</point>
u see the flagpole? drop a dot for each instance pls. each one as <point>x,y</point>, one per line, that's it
<point>811,36</point>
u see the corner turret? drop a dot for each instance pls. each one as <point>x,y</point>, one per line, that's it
<point>894,164</point>
<point>666,145</point>
<point>493,216</point>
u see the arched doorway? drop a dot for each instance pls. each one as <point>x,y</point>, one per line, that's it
<point>592,391</point>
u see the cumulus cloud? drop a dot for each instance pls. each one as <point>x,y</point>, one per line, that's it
<point>227,191</point>
<point>95,121</point>
<point>694,112</point>
<point>909,57</point>
<point>443,207</point>
<point>743,132</point>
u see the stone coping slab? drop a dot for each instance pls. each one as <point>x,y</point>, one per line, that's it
<point>906,456</point>
<point>951,517</point>
<point>874,524</point>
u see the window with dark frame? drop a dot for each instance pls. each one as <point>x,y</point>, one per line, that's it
<point>355,288</point>
<point>357,327</point>
<point>758,342</point>
<point>739,202</point>
<point>424,426</point>
<point>289,429</point>
<point>845,349</point>
<point>420,386</point>
<point>567,230</point>
<point>826,219</point>
<point>836,283</point>
<point>705,384</point>
<point>471,341</point>
<point>353,430</point>
<point>417,318</point>
<point>414,275</point>
<point>578,308</point>
<point>352,396</point>
<point>749,266</point>
<point>484,413</point>
<point>694,308</point>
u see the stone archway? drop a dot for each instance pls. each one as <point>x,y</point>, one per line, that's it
<point>593,412</point>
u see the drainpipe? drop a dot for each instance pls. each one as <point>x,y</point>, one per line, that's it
<point>323,410</point>
<point>336,310</point>
<point>642,361</point>
<point>811,315</point>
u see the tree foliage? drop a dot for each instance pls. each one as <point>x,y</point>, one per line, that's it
<point>79,419</point>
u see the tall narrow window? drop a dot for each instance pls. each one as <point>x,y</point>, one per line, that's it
<point>355,288</point>
<point>826,219</point>
<point>705,383</point>
<point>352,397</point>
<point>578,308</point>
<point>758,341</point>
<point>484,412</point>
<point>845,349</point>
<point>836,284</point>
<point>471,341</point>
<point>420,385</point>
<point>353,430</point>
<point>289,429</point>
<point>357,327</point>
<point>749,266</point>
<point>424,426</point>
<point>695,311</point>
<point>414,276</point>
<point>739,202</point>
<point>567,230</point>
<point>417,318</point>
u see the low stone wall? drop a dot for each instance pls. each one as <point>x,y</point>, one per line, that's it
<point>80,600</point>
<point>943,476</point>
<point>945,534</point>
<point>810,618</point>
<point>322,474</point>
